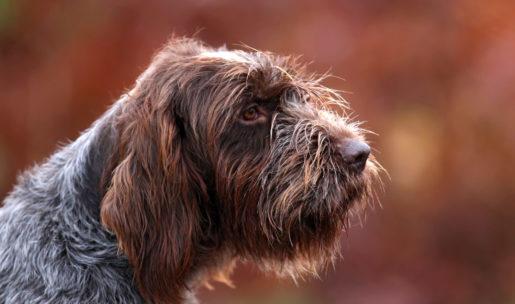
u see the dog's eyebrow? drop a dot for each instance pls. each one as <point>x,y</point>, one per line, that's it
<point>269,103</point>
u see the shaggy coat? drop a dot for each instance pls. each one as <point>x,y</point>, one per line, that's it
<point>213,157</point>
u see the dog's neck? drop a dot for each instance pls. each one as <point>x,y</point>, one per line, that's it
<point>84,168</point>
<point>82,164</point>
<point>63,197</point>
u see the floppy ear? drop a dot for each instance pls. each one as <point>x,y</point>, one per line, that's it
<point>152,203</point>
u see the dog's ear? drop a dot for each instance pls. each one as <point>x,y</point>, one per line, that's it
<point>152,201</point>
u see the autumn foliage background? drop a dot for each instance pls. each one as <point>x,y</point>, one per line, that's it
<point>434,79</point>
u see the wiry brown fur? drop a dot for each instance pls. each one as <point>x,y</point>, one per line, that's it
<point>192,189</point>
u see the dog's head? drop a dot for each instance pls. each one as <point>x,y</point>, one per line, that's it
<point>235,152</point>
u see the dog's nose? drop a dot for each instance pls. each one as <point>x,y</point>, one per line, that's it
<point>355,154</point>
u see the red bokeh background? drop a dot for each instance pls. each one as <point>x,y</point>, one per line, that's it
<point>434,79</point>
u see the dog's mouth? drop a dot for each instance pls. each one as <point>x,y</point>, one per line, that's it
<point>339,189</point>
<point>314,190</point>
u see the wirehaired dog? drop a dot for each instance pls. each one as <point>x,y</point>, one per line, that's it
<point>214,156</point>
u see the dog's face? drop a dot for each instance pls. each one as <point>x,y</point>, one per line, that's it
<point>232,151</point>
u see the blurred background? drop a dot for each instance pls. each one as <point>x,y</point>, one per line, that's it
<point>435,79</point>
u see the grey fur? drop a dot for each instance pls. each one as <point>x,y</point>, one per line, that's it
<point>53,248</point>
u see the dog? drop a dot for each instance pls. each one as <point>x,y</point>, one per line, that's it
<point>214,156</point>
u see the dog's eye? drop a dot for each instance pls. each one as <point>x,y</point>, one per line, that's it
<point>250,114</point>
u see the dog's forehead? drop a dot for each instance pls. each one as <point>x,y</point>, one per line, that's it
<point>231,56</point>
<point>264,74</point>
